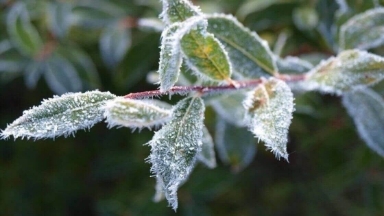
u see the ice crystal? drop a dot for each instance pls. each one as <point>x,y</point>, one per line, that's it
<point>178,11</point>
<point>60,115</point>
<point>174,148</point>
<point>269,113</point>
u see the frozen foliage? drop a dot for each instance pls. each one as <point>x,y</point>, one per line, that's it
<point>205,55</point>
<point>351,68</point>
<point>235,145</point>
<point>363,31</point>
<point>250,55</point>
<point>207,153</point>
<point>170,55</point>
<point>292,65</point>
<point>178,11</point>
<point>134,113</point>
<point>175,147</point>
<point>60,115</point>
<point>366,107</point>
<point>269,113</point>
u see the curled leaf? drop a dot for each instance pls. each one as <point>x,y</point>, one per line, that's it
<point>134,113</point>
<point>350,69</point>
<point>366,107</point>
<point>269,113</point>
<point>174,148</point>
<point>60,115</point>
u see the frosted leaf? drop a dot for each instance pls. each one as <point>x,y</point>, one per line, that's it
<point>350,69</point>
<point>170,55</point>
<point>205,55</point>
<point>250,55</point>
<point>60,115</point>
<point>174,148</point>
<point>235,145</point>
<point>230,107</point>
<point>134,113</point>
<point>292,65</point>
<point>207,153</point>
<point>366,107</point>
<point>159,195</point>
<point>178,11</point>
<point>363,31</point>
<point>269,113</point>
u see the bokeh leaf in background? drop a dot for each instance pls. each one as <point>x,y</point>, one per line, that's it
<point>235,145</point>
<point>363,31</point>
<point>366,108</point>
<point>207,154</point>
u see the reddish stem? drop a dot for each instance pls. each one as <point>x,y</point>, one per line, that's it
<point>210,89</point>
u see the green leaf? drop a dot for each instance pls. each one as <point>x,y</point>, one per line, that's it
<point>207,153</point>
<point>293,65</point>
<point>170,57</point>
<point>363,31</point>
<point>23,34</point>
<point>235,145</point>
<point>366,108</point>
<point>205,55</point>
<point>269,113</point>
<point>135,113</point>
<point>178,11</point>
<point>60,115</point>
<point>351,68</point>
<point>59,18</point>
<point>174,148</point>
<point>230,107</point>
<point>114,42</point>
<point>250,55</point>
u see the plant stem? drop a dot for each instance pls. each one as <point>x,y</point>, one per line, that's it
<point>182,90</point>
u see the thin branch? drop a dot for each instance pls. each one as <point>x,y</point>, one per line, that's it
<point>182,90</point>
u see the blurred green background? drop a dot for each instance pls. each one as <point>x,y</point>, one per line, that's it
<point>52,47</point>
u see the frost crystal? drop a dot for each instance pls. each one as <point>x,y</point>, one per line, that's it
<point>366,107</point>
<point>269,113</point>
<point>60,115</point>
<point>134,113</point>
<point>174,148</point>
<point>350,69</point>
<point>363,31</point>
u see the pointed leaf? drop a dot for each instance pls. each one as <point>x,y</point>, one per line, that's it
<point>174,148</point>
<point>207,154</point>
<point>293,65</point>
<point>178,11</point>
<point>348,70</point>
<point>269,113</point>
<point>114,43</point>
<point>205,55</point>
<point>235,145</point>
<point>363,31</point>
<point>366,107</point>
<point>134,113</point>
<point>23,34</point>
<point>60,115</point>
<point>250,55</point>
